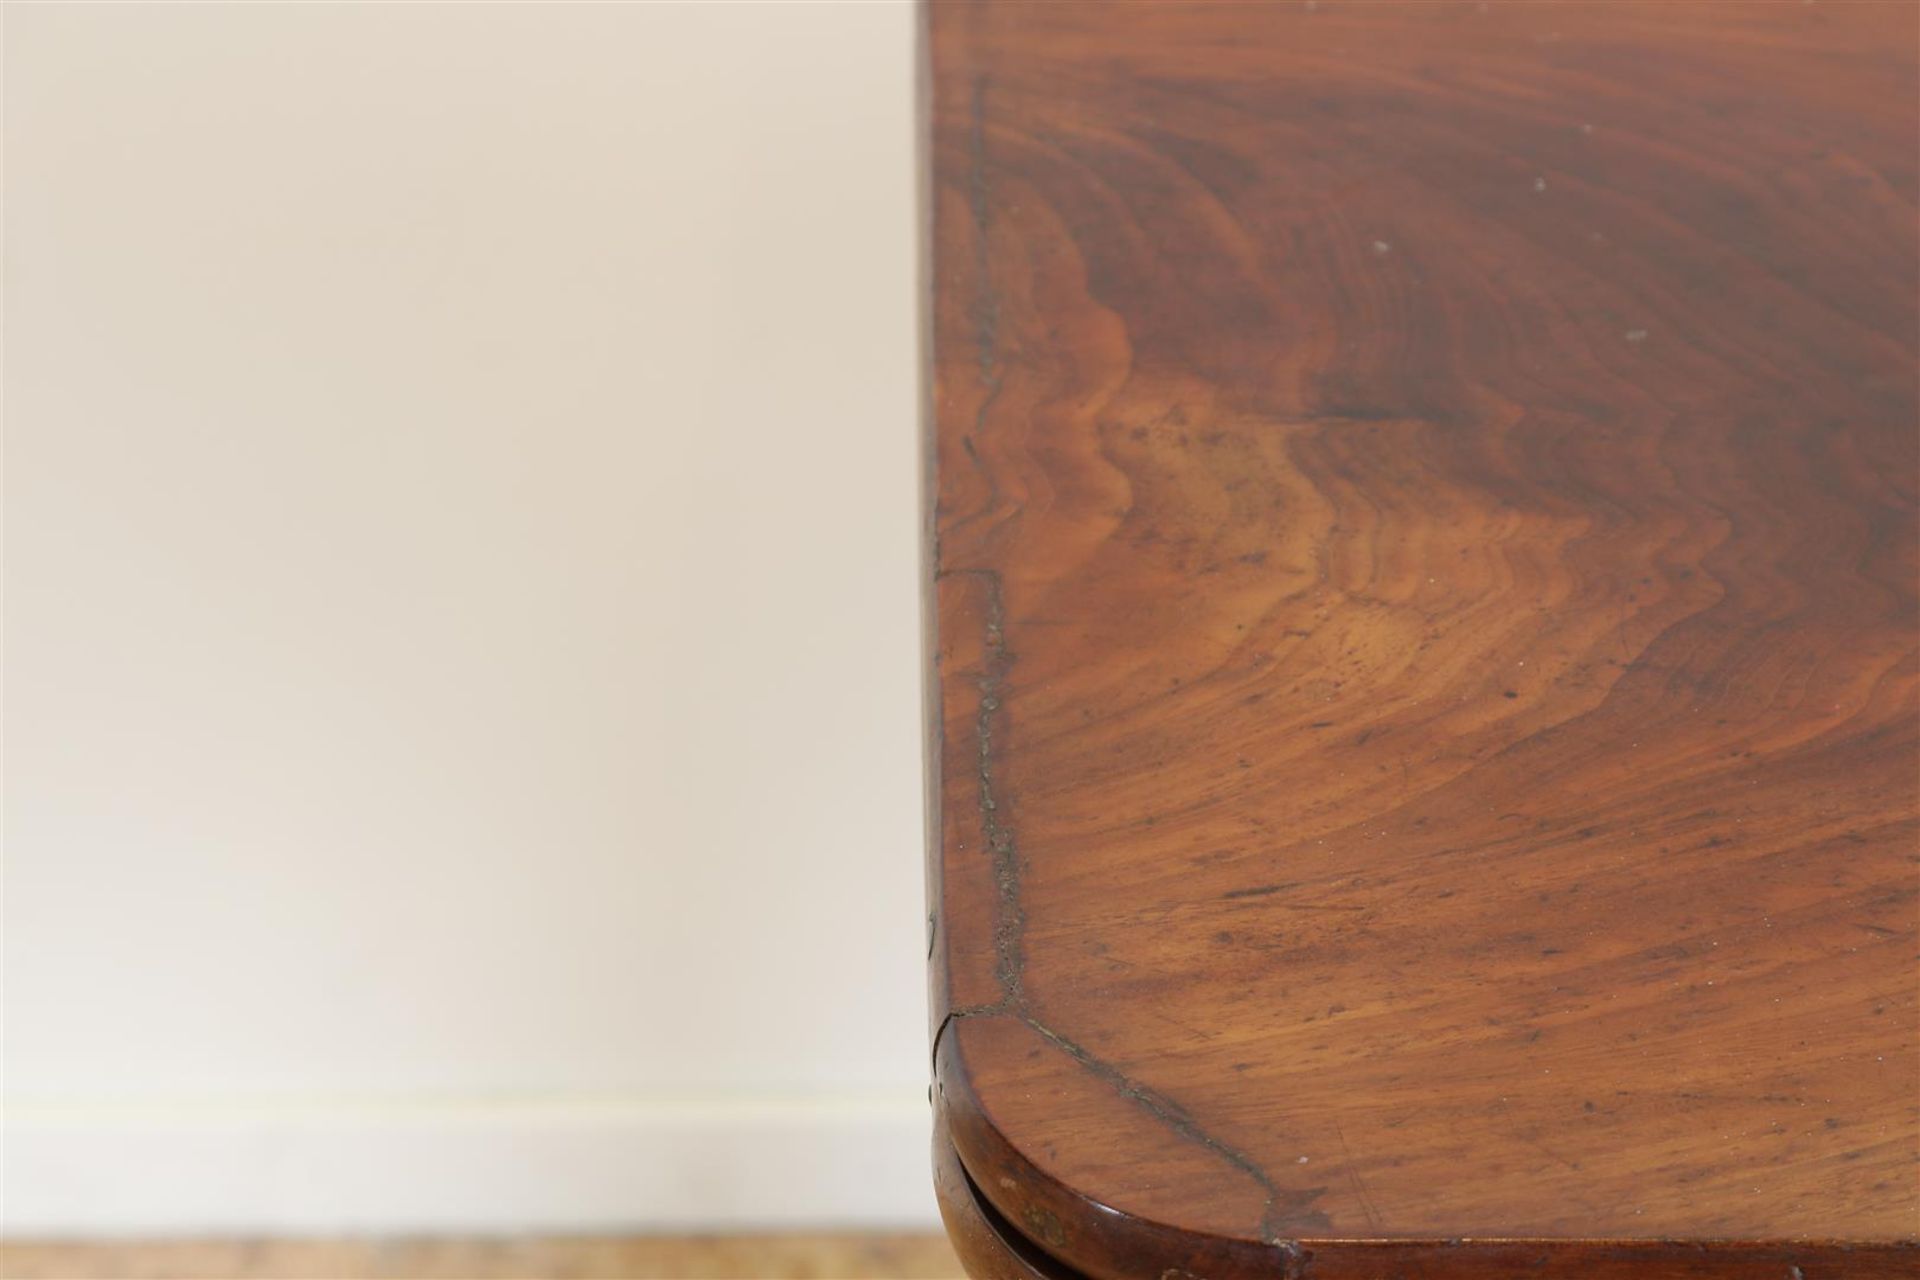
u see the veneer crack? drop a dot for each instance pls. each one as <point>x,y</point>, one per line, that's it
<point>1284,1212</point>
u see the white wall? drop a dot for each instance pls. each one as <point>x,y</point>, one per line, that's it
<point>462,710</point>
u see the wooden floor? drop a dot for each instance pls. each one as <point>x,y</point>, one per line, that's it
<point>808,1257</point>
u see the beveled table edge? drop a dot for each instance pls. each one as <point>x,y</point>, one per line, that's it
<point>988,1245</point>
<point>1011,1220</point>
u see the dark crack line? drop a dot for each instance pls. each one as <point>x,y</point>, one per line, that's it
<point>1171,1114</point>
<point>1003,853</point>
<point>1281,1210</point>
<point>1010,920</point>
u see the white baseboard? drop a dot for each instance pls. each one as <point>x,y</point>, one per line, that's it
<point>603,1165</point>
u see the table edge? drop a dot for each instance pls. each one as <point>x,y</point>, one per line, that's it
<point>1010,1218</point>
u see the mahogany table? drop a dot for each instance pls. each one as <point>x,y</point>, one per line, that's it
<point>1422,559</point>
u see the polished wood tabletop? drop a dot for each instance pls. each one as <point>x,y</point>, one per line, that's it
<point>1423,638</point>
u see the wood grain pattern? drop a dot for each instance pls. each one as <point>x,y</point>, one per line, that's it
<point>990,1247</point>
<point>1424,634</point>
